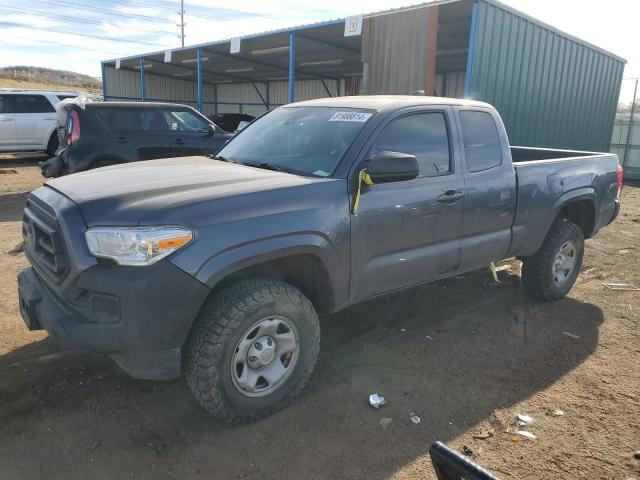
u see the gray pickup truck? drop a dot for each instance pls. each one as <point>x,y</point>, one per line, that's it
<point>217,267</point>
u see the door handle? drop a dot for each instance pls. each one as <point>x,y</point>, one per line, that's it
<point>450,196</point>
<point>121,140</point>
<point>7,119</point>
<point>180,141</point>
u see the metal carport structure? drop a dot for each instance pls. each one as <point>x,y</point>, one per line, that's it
<point>552,89</point>
<point>264,74</point>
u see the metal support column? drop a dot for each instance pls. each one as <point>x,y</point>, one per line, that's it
<point>200,79</point>
<point>292,67</point>
<point>471,48</point>
<point>143,96</point>
<point>215,94</point>
<point>104,83</point>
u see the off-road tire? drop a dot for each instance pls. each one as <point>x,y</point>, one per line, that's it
<point>52,144</point>
<point>215,334</point>
<point>537,270</point>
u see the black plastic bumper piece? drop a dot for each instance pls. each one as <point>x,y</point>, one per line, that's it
<point>450,465</point>
<point>157,305</point>
<point>52,168</point>
<point>616,210</point>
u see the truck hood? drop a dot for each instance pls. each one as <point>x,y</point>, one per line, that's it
<point>129,193</point>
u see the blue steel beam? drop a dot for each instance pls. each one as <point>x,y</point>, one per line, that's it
<point>292,67</point>
<point>142,88</point>
<point>200,79</point>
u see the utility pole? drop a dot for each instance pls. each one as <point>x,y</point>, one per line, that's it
<point>181,24</point>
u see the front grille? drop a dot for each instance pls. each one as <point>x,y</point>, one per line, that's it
<point>42,241</point>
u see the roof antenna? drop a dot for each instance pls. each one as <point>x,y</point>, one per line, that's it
<point>419,93</point>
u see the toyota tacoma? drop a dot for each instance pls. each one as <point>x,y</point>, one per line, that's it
<point>217,268</point>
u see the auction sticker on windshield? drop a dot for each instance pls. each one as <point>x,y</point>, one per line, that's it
<point>350,117</point>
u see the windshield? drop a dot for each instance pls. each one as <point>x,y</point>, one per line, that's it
<point>305,140</point>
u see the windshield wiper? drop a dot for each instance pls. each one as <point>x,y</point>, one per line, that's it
<point>269,166</point>
<point>218,157</point>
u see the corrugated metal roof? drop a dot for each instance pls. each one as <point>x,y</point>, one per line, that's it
<point>317,25</point>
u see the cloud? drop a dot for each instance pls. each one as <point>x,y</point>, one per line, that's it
<point>154,21</point>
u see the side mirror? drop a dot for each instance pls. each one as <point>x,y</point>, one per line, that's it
<point>211,130</point>
<point>388,167</point>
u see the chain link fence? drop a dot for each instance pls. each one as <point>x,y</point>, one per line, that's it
<point>625,141</point>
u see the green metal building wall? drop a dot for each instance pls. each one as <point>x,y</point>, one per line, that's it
<point>551,89</point>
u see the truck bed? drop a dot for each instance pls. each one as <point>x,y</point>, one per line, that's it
<point>546,178</point>
<point>530,154</point>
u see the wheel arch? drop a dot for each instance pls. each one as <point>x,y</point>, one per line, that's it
<point>303,261</point>
<point>579,207</point>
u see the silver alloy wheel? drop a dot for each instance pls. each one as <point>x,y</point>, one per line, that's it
<point>564,263</point>
<point>265,356</point>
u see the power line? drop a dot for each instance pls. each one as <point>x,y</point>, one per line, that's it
<point>87,35</point>
<point>140,3</point>
<point>92,8</point>
<point>63,44</point>
<point>78,19</point>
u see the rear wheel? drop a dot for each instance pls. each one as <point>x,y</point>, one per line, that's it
<point>52,145</point>
<point>252,349</point>
<point>550,273</point>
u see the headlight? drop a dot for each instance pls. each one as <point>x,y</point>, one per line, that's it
<point>136,245</point>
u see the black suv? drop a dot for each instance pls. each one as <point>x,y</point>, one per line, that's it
<point>108,133</point>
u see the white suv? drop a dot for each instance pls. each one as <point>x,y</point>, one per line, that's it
<point>28,120</point>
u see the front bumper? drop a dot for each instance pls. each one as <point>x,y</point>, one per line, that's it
<point>140,316</point>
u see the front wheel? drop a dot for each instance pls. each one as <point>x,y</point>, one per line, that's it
<point>550,273</point>
<point>252,349</point>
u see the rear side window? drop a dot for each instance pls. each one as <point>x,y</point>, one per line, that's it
<point>137,119</point>
<point>482,149</point>
<point>6,104</point>
<point>32,104</point>
<point>423,135</point>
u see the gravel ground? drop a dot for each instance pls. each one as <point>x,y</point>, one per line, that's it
<point>465,354</point>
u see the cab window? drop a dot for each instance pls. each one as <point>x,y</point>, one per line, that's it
<point>482,149</point>
<point>423,135</point>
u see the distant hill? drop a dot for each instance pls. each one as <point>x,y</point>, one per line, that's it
<point>38,77</point>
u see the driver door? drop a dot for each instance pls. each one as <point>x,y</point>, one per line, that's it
<point>409,232</point>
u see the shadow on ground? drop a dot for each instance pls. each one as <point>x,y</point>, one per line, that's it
<point>469,347</point>
<point>11,205</point>
<point>23,159</point>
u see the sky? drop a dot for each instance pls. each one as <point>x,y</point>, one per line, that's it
<point>77,34</point>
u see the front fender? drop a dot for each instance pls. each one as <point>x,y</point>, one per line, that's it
<point>260,251</point>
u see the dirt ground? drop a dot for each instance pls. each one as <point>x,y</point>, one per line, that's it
<point>465,354</point>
